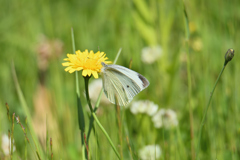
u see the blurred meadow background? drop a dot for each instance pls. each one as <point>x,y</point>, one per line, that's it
<point>163,121</point>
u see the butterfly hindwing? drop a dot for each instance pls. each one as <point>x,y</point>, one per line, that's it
<point>113,89</point>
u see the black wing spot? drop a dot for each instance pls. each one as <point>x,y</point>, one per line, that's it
<point>127,86</point>
<point>145,82</point>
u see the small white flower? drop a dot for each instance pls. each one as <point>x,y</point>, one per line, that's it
<point>144,106</point>
<point>94,89</point>
<point>150,152</point>
<point>6,144</point>
<point>151,54</point>
<point>166,118</point>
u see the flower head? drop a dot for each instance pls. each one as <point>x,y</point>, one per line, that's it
<point>146,106</point>
<point>88,62</point>
<point>6,145</point>
<point>150,152</point>
<point>166,118</point>
<point>151,54</point>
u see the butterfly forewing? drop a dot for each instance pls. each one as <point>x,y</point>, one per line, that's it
<point>122,84</point>
<point>128,85</point>
<point>140,80</point>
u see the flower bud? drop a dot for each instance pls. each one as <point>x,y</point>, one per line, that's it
<point>229,55</point>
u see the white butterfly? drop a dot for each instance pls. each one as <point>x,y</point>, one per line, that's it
<point>121,84</point>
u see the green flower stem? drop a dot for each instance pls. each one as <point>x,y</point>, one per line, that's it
<point>228,57</point>
<point>205,113</point>
<point>109,140</point>
<point>86,79</point>
<point>81,121</point>
<point>94,110</point>
<point>90,127</point>
<point>98,100</point>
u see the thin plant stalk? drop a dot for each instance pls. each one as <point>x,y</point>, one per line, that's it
<point>129,148</point>
<point>81,121</point>
<point>98,101</point>
<point>25,107</point>
<point>119,122</point>
<point>37,152</point>
<point>93,111</point>
<point>91,118</point>
<point>13,116</point>
<point>26,140</point>
<point>7,107</point>
<point>228,57</point>
<point>95,117</point>
<point>125,125</point>
<point>118,54</point>
<point>109,140</point>
<point>90,128</point>
<point>24,129</point>
<point>205,113</point>
<point>51,144</point>
<point>187,35</point>
<point>86,79</point>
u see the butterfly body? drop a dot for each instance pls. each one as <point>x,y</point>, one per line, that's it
<point>121,84</point>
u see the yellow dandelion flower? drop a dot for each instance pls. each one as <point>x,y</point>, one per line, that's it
<point>88,62</point>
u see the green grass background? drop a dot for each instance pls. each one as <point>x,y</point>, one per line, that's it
<point>131,25</point>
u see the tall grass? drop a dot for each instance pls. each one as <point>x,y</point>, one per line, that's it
<point>49,92</point>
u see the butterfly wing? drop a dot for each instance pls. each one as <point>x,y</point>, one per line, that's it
<point>113,89</point>
<point>122,84</point>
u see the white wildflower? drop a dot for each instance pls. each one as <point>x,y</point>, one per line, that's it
<point>144,106</point>
<point>6,145</point>
<point>151,54</point>
<point>166,118</point>
<point>94,89</point>
<point>150,152</point>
